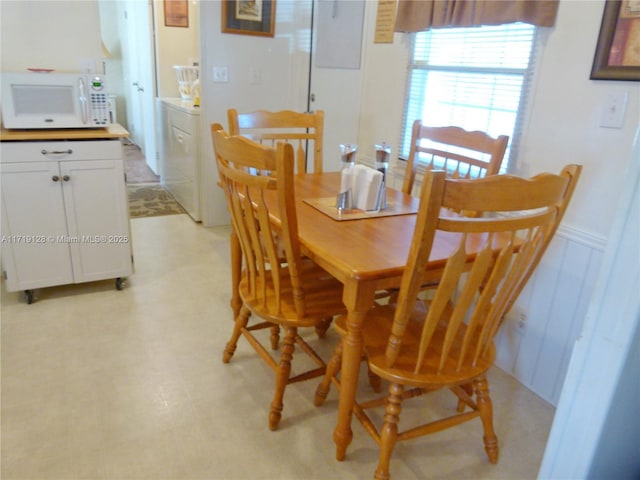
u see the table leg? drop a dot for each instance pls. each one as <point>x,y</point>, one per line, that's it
<point>236,267</point>
<point>358,301</point>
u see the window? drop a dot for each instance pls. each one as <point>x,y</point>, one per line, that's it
<point>476,78</point>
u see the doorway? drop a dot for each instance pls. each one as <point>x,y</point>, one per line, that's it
<point>129,63</point>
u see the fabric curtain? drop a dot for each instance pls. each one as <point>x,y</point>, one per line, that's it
<point>419,15</point>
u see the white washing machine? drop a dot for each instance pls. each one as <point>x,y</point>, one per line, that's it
<point>179,153</point>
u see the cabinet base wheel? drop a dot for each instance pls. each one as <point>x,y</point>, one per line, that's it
<point>28,296</point>
<point>120,283</point>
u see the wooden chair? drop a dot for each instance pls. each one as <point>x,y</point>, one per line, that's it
<point>460,153</point>
<point>267,128</point>
<point>277,285</point>
<point>292,127</point>
<point>421,346</point>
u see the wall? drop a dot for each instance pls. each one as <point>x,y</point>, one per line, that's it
<point>596,432</point>
<point>46,34</point>
<point>175,46</point>
<point>113,38</point>
<point>614,458</point>
<point>282,64</point>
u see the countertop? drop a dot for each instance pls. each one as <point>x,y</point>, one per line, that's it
<point>114,130</point>
<point>184,105</point>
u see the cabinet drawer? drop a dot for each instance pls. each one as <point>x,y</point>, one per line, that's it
<point>182,120</point>
<point>60,150</point>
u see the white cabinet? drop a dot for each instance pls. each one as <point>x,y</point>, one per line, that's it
<point>179,153</point>
<point>65,215</point>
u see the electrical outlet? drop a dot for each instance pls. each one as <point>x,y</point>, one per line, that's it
<point>220,74</point>
<point>518,318</point>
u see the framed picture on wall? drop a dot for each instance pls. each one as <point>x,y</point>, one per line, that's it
<point>176,13</point>
<point>617,54</point>
<point>249,17</point>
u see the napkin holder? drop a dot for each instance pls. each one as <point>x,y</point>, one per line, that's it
<point>362,188</point>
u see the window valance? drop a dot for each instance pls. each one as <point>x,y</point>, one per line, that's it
<point>419,15</point>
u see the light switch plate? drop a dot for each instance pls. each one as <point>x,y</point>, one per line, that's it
<point>615,105</point>
<point>220,74</point>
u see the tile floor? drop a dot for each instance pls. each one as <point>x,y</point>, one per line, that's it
<point>106,384</point>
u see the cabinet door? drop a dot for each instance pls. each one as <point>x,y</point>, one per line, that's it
<point>35,252</point>
<point>97,215</point>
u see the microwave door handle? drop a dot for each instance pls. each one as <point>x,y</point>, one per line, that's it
<point>83,100</point>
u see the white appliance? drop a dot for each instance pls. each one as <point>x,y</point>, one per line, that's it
<point>179,153</point>
<point>44,100</point>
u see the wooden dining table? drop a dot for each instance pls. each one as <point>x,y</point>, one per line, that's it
<point>365,254</point>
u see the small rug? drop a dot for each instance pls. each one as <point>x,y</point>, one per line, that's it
<point>151,200</point>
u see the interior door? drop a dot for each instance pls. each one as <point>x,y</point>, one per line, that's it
<point>140,60</point>
<point>336,72</point>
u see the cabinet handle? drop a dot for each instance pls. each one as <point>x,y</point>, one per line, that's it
<point>66,178</point>
<point>55,178</point>
<point>56,152</point>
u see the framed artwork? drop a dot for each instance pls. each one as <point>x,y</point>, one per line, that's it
<point>176,13</point>
<point>617,54</point>
<point>249,17</point>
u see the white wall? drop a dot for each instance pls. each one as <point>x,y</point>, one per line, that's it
<point>64,36</point>
<point>281,64</point>
<point>175,46</point>
<point>596,430</point>
<point>113,37</point>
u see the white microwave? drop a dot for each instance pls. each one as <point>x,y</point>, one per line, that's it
<point>36,100</point>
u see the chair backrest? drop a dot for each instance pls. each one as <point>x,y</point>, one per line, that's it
<point>474,292</point>
<point>460,153</point>
<point>292,127</point>
<point>268,268</point>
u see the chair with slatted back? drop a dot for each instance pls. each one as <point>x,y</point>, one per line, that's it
<point>303,130</point>
<point>421,346</point>
<point>460,153</point>
<point>278,286</point>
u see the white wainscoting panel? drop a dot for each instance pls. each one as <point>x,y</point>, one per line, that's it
<point>554,301</point>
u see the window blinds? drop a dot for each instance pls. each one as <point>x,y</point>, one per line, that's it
<point>475,78</point>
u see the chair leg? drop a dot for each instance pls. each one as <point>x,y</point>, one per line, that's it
<point>323,326</point>
<point>389,431</point>
<point>333,367</point>
<point>469,389</point>
<point>481,387</point>
<point>282,376</point>
<point>275,337</point>
<point>240,323</point>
